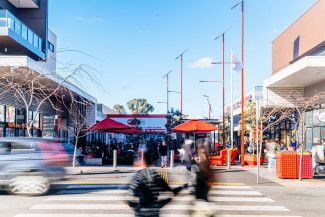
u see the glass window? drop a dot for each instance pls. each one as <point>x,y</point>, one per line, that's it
<point>36,121</point>
<point>296,48</point>
<point>35,41</point>
<point>10,20</point>
<point>2,113</point>
<point>18,27</point>
<point>323,136</point>
<point>20,116</point>
<point>10,114</point>
<point>309,139</point>
<point>316,135</point>
<point>30,36</point>
<point>315,117</point>
<point>309,119</point>
<point>24,31</point>
<point>322,123</point>
<point>3,18</point>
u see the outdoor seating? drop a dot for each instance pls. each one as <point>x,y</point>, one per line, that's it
<point>233,154</point>
<point>220,159</point>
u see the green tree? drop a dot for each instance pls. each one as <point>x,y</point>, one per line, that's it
<point>119,108</point>
<point>139,106</point>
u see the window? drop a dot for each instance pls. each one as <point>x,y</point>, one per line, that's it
<point>10,117</point>
<point>2,113</point>
<point>51,46</point>
<point>296,48</point>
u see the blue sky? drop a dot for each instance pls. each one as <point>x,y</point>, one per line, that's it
<point>133,43</point>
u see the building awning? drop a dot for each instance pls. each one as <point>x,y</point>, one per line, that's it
<point>302,73</point>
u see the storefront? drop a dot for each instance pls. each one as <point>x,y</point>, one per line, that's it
<point>315,127</point>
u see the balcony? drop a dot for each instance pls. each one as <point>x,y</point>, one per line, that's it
<point>17,39</point>
<point>25,3</point>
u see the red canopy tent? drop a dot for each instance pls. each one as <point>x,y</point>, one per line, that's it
<point>108,125</point>
<point>195,126</point>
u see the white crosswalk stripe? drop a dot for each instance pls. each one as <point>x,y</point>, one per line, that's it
<point>108,201</point>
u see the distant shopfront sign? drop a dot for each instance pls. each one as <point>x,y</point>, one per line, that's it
<point>148,123</point>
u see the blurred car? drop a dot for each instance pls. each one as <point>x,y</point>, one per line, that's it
<point>30,165</point>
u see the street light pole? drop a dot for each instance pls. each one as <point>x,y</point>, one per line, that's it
<point>181,82</point>
<point>223,86</point>
<point>242,82</point>
<point>167,86</point>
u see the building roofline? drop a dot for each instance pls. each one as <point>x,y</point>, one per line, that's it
<point>299,18</point>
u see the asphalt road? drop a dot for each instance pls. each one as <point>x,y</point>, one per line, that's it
<point>102,194</point>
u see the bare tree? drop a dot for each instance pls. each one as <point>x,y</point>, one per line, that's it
<point>35,91</point>
<point>76,107</point>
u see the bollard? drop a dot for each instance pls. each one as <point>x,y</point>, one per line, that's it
<point>172,159</point>
<point>114,159</point>
<point>228,159</point>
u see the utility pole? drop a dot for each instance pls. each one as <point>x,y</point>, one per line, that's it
<point>242,82</point>
<point>167,86</point>
<point>209,104</point>
<point>181,82</point>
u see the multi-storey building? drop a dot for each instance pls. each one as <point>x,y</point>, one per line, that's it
<point>298,68</point>
<point>26,42</point>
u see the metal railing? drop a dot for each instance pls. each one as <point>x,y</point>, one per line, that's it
<point>8,20</point>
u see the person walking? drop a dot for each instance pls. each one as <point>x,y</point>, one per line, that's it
<point>188,153</point>
<point>202,185</point>
<point>163,154</point>
<point>145,188</point>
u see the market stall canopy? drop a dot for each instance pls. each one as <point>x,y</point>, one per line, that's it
<point>195,126</point>
<point>109,125</point>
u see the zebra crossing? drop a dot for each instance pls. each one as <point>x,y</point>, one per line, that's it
<point>109,201</point>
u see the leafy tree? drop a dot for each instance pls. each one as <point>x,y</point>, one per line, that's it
<point>174,118</point>
<point>139,106</point>
<point>119,108</point>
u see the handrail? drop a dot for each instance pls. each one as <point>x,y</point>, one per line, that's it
<point>21,29</point>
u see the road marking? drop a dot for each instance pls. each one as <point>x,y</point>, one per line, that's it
<point>94,186</point>
<point>178,207</point>
<point>236,192</point>
<point>90,215</point>
<point>250,208</point>
<point>242,199</point>
<point>231,187</point>
<point>183,198</point>
<point>99,207</point>
<point>256,216</point>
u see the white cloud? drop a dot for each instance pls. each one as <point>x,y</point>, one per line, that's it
<point>204,62</point>
<point>89,19</point>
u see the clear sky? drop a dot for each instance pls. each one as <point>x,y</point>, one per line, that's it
<point>133,43</point>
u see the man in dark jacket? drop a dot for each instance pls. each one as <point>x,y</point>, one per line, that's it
<point>145,188</point>
<point>163,153</point>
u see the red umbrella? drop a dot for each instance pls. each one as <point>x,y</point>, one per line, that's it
<point>108,125</point>
<point>195,126</point>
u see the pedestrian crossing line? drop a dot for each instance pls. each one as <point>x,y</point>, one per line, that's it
<point>183,198</point>
<point>124,191</point>
<point>177,207</point>
<point>82,186</point>
<point>132,215</point>
<point>222,215</point>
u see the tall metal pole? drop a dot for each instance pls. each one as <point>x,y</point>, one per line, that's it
<point>257,143</point>
<point>181,82</point>
<point>242,90</point>
<point>223,92</point>
<point>231,112</point>
<point>167,93</point>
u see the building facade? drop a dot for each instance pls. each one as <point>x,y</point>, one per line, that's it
<point>298,69</point>
<point>28,45</point>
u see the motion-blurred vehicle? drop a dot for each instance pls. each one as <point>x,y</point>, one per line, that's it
<point>29,166</point>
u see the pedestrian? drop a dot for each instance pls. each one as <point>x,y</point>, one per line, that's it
<point>163,154</point>
<point>188,153</point>
<point>145,188</point>
<point>202,185</point>
<point>142,148</point>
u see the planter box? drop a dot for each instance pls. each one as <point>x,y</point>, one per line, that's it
<point>251,160</point>
<point>93,161</point>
